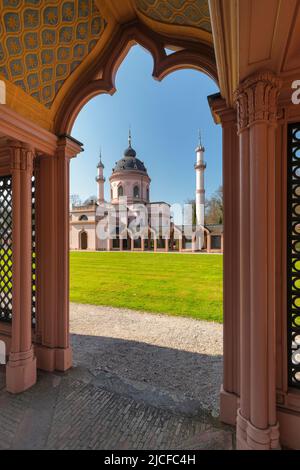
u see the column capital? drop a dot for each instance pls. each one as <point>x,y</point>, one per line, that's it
<point>21,156</point>
<point>256,99</point>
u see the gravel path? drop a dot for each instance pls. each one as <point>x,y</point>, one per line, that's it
<point>172,361</point>
<point>139,381</point>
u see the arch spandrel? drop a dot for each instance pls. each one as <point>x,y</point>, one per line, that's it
<point>84,64</point>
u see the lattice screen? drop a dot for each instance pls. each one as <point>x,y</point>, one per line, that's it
<point>293,254</point>
<point>6,262</point>
<point>34,260</point>
<point>6,248</point>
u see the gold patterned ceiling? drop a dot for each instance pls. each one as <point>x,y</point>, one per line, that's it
<point>45,45</point>
<point>182,12</point>
<point>43,41</point>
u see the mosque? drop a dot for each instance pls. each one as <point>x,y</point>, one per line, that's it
<point>130,181</point>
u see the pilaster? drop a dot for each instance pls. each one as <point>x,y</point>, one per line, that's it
<point>53,348</point>
<point>230,247</point>
<point>256,97</point>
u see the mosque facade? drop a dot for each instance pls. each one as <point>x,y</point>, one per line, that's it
<point>108,225</point>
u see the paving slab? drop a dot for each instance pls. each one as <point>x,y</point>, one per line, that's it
<point>131,387</point>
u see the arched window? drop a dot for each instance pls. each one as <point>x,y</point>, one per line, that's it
<point>120,191</point>
<point>136,191</point>
<point>83,217</point>
<point>148,195</point>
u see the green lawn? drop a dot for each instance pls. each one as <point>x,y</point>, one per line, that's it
<point>177,284</point>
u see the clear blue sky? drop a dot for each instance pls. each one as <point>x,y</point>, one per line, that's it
<point>164,118</point>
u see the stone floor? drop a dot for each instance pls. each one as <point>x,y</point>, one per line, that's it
<point>123,393</point>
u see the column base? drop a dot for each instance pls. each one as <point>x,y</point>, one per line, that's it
<point>45,357</point>
<point>20,371</point>
<point>249,437</point>
<point>51,359</point>
<point>229,403</point>
<point>63,359</point>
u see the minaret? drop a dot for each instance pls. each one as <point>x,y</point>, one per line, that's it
<point>200,166</point>
<point>100,180</point>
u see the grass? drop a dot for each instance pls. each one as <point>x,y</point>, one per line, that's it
<point>176,284</point>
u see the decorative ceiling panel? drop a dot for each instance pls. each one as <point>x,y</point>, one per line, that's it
<point>43,41</point>
<point>182,12</point>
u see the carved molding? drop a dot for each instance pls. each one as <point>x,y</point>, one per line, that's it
<point>19,129</point>
<point>256,99</point>
<point>67,147</point>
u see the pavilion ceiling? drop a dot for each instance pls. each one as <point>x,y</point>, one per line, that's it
<point>180,12</point>
<point>46,45</point>
<point>42,43</point>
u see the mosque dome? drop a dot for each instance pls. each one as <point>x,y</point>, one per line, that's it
<point>130,152</point>
<point>129,162</point>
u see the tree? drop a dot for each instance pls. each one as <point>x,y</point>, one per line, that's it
<point>75,200</point>
<point>90,200</point>
<point>214,208</point>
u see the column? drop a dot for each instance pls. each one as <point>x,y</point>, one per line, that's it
<point>172,240</point>
<point>208,246</point>
<point>63,350</point>
<point>109,244</point>
<point>230,390</point>
<point>143,243</point>
<point>257,426</point>
<point>166,244</point>
<point>46,239</point>
<point>53,349</point>
<point>180,244</point>
<point>21,367</point>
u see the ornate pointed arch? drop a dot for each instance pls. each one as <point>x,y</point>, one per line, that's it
<point>99,77</point>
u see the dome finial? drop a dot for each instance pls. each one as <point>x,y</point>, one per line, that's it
<point>200,146</point>
<point>129,137</point>
<point>129,152</point>
<point>200,140</point>
<point>100,164</point>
